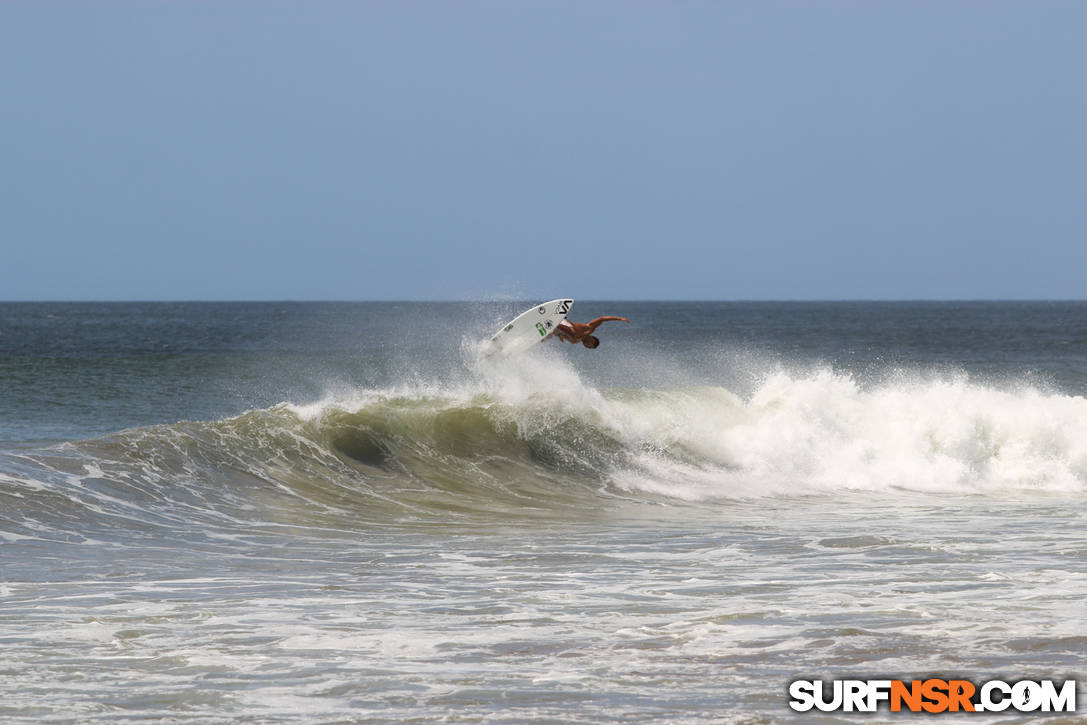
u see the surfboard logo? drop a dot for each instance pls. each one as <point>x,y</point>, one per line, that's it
<point>542,310</point>
<point>563,308</point>
<point>541,329</point>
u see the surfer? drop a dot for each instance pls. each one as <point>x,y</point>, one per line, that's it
<point>575,332</point>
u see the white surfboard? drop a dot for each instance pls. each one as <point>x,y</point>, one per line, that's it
<point>528,328</point>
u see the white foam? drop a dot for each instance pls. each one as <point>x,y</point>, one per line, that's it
<point>809,433</point>
<point>824,432</point>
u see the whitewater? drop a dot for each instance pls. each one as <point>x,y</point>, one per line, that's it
<point>670,528</point>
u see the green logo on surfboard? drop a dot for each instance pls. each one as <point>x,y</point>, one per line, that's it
<point>540,328</point>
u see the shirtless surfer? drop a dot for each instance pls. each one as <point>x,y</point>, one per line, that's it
<point>575,332</point>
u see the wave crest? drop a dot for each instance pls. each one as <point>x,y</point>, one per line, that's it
<point>523,447</point>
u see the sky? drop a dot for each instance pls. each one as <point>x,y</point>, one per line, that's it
<point>540,149</point>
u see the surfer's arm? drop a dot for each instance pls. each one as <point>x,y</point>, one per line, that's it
<point>607,318</point>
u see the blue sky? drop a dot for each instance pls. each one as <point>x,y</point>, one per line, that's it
<point>444,150</point>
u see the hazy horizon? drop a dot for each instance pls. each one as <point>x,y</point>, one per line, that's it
<point>531,300</point>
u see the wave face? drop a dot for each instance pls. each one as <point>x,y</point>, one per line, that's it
<point>535,439</point>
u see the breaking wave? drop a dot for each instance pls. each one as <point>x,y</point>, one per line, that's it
<point>536,439</point>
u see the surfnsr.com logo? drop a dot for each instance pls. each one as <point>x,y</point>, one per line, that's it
<point>932,695</point>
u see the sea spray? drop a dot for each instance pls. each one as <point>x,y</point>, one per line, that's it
<point>535,439</point>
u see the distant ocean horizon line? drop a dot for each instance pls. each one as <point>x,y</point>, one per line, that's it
<point>671,300</point>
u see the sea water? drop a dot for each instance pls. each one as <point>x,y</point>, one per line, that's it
<point>288,512</point>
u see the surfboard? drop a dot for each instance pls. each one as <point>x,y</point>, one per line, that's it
<point>528,328</point>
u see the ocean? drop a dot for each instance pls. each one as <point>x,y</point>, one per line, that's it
<point>339,513</point>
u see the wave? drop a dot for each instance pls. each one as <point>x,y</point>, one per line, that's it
<point>536,439</point>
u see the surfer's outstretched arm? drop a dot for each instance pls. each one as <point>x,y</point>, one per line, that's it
<point>606,318</point>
